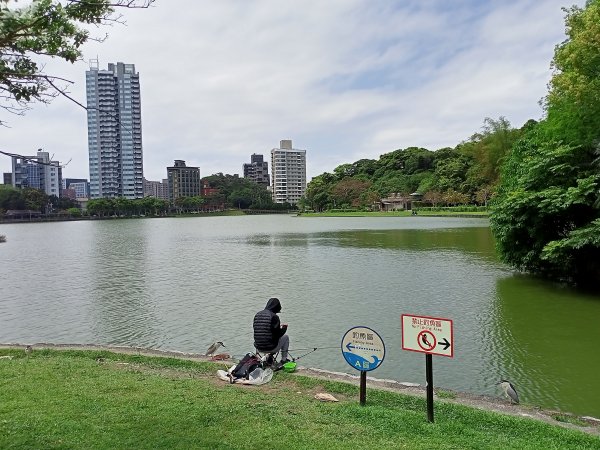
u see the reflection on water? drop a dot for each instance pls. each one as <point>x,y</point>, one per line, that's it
<point>180,284</point>
<point>123,310</point>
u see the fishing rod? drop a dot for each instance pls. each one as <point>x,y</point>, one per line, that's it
<point>312,349</point>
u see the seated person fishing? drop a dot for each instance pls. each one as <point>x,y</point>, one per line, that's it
<point>269,333</point>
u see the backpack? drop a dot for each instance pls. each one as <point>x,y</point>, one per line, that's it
<point>246,366</point>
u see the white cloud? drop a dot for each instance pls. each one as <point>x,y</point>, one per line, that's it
<point>344,79</point>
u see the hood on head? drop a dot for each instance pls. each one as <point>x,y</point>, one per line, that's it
<point>273,305</point>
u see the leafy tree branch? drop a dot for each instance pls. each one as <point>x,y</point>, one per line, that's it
<point>47,29</point>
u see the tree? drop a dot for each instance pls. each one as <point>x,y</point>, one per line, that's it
<point>546,217</point>
<point>153,205</point>
<point>344,170</point>
<point>365,167</point>
<point>417,160</point>
<point>100,207</point>
<point>181,204</point>
<point>62,202</point>
<point>489,147</point>
<point>451,168</point>
<point>11,198</point>
<point>546,209</point>
<point>317,191</point>
<point>348,191</point>
<point>453,198</point>
<point>35,199</point>
<point>434,198</point>
<point>572,101</point>
<point>483,195</point>
<point>240,198</point>
<point>240,192</point>
<point>45,29</point>
<point>74,212</point>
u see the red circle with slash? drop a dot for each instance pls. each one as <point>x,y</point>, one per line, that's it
<point>423,341</point>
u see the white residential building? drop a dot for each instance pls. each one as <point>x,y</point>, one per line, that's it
<point>114,131</point>
<point>288,173</point>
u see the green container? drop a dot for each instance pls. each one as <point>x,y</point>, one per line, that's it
<point>289,366</point>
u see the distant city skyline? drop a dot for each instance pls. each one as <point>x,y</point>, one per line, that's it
<point>357,80</point>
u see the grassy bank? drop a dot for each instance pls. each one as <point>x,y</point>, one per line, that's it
<point>338,213</point>
<point>99,399</point>
<point>454,213</point>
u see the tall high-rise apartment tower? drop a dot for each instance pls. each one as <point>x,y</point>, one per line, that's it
<point>114,131</point>
<point>288,173</point>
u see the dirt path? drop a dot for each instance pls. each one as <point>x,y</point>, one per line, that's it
<point>586,424</point>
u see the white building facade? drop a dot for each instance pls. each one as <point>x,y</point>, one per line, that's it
<point>38,172</point>
<point>288,173</point>
<point>114,131</point>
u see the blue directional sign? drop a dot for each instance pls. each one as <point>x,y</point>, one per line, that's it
<point>363,348</point>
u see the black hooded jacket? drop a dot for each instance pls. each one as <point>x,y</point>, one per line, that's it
<point>267,328</point>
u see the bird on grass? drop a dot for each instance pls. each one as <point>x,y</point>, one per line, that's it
<point>28,349</point>
<point>213,348</point>
<point>509,391</point>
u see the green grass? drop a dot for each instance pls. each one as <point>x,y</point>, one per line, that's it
<point>454,213</point>
<point>227,212</point>
<point>441,393</point>
<point>567,418</point>
<point>338,213</point>
<point>92,399</point>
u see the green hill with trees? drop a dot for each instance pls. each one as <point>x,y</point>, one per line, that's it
<point>466,174</point>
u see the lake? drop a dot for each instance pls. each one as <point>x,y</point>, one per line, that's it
<point>182,283</point>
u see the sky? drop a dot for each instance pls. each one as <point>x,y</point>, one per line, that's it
<point>343,79</point>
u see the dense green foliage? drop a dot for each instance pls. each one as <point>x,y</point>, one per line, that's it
<point>93,399</point>
<point>242,193</point>
<point>31,33</point>
<point>124,207</point>
<point>466,174</point>
<point>32,199</point>
<point>547,215</point>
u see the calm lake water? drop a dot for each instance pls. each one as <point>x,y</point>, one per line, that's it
<point>182,283</point>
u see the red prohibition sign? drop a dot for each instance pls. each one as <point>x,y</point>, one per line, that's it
<point>426,340</point>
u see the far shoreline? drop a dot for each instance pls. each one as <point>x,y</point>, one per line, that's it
<point>237,212</point>
<point>476,215</point>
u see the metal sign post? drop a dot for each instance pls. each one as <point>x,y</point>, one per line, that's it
<point>429,378</point>
<point>364,350</point>
<point>432,336</point>
<point>363,388</point>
